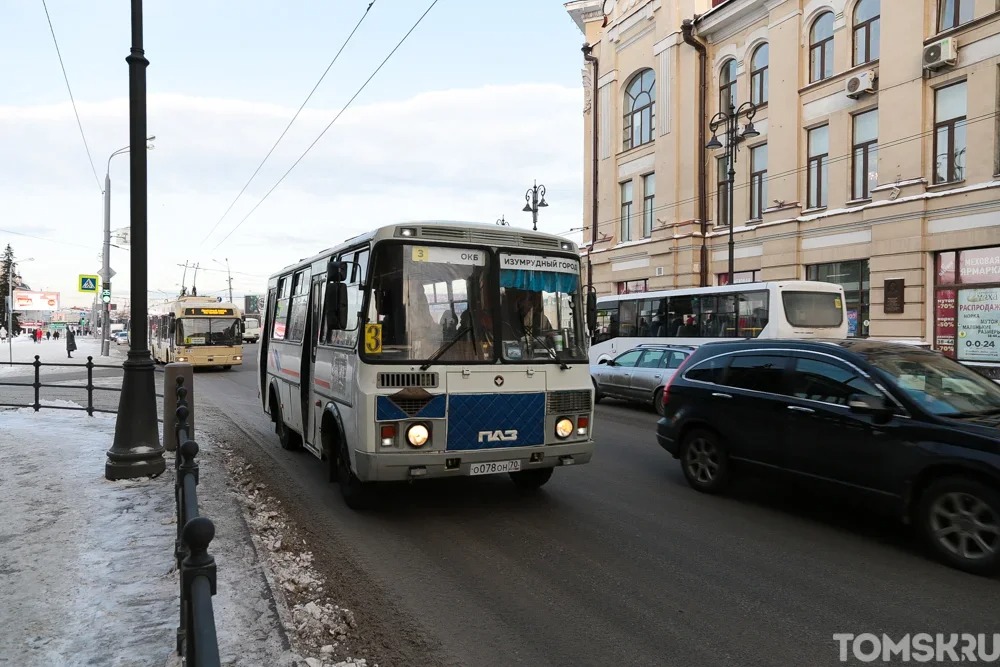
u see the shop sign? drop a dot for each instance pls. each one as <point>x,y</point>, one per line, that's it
<point>944,322</point>
<point>978,324</point>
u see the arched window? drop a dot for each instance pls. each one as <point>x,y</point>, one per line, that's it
<point>758,75</point>
<point>821,48</point>
<point>727,85</point>
<point>866,31</point>
<point>640,109</point>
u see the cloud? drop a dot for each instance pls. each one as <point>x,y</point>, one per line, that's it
<point>450,154</point>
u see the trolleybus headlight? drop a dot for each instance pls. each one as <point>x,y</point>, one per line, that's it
<point>181,358</point>
<point>564,427</point>
<point>418,435</point>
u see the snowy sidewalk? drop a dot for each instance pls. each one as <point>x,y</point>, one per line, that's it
<point>86,565</point>
<point>22,350</point>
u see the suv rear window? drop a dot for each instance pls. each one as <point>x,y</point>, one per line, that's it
<point>813,309</point>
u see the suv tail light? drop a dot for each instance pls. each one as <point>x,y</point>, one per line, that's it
<point>666,387</point>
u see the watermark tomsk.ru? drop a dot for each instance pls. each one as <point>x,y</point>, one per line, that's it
<point>919,647</point>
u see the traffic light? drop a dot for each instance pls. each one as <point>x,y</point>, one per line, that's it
<point>106,293</point>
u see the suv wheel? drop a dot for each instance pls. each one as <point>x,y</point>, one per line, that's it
<point>704,461</point>
<point>960,519</point>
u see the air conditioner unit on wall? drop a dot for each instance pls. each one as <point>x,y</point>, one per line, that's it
<point>942,53</point>
<point>862,83</point>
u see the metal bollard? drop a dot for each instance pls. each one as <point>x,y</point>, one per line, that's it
<point>171,372</point>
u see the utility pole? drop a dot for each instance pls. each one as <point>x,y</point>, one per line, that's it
<point>106,266</point>
<point>229,277</point>
<point>136,451</point>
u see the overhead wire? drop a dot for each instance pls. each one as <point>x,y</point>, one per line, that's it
<point>289,125</point>
<point>71,98</point>
<point>335,118</point>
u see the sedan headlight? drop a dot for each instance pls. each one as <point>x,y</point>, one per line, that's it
<point>418,435</point>
<point>564,427</point>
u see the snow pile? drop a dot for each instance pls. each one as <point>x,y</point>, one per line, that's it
<point>318,625</point>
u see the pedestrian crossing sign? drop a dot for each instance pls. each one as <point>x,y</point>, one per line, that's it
<point>88,283</point>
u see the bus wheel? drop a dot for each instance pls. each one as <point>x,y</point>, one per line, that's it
<point>530,480</point>
<point>357,495</point>
<point>288,438</point>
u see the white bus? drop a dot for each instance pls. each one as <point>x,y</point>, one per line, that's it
<point>431,349</point>
<point>251,328</point>
<point>784,309</point>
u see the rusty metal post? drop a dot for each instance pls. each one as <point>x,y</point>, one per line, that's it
<point>173,371</point>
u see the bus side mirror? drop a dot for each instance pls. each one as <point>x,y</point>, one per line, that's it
<point>335,308</point>
<point>336,271</point>
<point>172,327</point>
<point>592,310</point>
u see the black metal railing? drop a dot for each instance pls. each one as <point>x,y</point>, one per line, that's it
<point>196,639</point>
<point>37,385</point>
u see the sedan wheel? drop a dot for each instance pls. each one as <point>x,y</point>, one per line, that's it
<point>704,461</point>
<point>961,522</point>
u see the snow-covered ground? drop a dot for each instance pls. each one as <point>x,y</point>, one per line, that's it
<point>23,350</point>
<point>86,565</point>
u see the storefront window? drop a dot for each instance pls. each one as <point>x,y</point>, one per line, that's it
<point>739,277</point>
<point>854,278</point>
<point>967,307</point>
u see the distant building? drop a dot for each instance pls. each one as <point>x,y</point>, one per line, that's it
<point>875,165</point>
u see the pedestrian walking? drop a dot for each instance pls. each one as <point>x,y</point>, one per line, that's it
<point>70,343</point>
<point>48,335</point>
<point>3,333</point>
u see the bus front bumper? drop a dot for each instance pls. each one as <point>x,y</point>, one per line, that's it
<point>396,467</point>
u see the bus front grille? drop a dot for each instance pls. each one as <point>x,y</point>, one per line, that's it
<point>404,380</point>
<point>565,402</point>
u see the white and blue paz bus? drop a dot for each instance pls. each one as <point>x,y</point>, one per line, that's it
<point>431,349</point>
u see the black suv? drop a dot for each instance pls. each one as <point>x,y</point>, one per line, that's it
<point>893,422</point>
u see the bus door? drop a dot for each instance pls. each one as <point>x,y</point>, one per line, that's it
<point>265,344</point>
<point>312,405</point>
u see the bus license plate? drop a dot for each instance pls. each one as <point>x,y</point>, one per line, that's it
<point>495,467</point>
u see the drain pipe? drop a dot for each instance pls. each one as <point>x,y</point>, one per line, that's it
<point>590,58</point>
<point>687,30</point>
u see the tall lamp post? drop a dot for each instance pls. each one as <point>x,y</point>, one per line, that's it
<point>136,451</point>
<point>106,256</point>
<point>503,222</point>
<point>535,198</point>
<point>730,122</point>
<point>229,277</point>
<point>10,309</point>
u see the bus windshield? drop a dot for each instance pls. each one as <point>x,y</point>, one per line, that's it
<point>208,331</point>
<point>813,309</point>
<point>436,303</point>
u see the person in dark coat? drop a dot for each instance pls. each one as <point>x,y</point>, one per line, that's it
<point>70,343</point>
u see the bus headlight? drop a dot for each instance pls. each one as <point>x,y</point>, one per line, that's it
<point>564,427</point>
<point>418,435</point>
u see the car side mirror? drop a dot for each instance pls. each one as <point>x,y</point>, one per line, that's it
<point>603,361</point>
<point>878,407</point>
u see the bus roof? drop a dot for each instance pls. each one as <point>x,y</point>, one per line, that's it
<point>811,285</point>
<point>448,231</point>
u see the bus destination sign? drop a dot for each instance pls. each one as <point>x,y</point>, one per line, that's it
<point>211,312</point>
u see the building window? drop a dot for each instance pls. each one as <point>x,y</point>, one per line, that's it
<point>866,31</point>
<point>854,278</point>
<point>721,194</point>
<point>640,109</point>
<point>648,196</point>
<point>949,133</point>
<point>626,230</point>
<point>632,286</point>
<point>819,169</point>
<point>758,75</point>
<point>865,160</point>
<point>739,277</point>
<point>964,328</point>
<point>727,85</point>
<point>758,181</point>
<point>952,13</point>
<point>821,48</point>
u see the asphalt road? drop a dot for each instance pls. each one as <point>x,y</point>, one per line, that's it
<point>614,562</point>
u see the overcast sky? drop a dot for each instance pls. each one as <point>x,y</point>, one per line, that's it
<point>482,99</point>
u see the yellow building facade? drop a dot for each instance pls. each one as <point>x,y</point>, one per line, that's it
<point>874,161</point>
